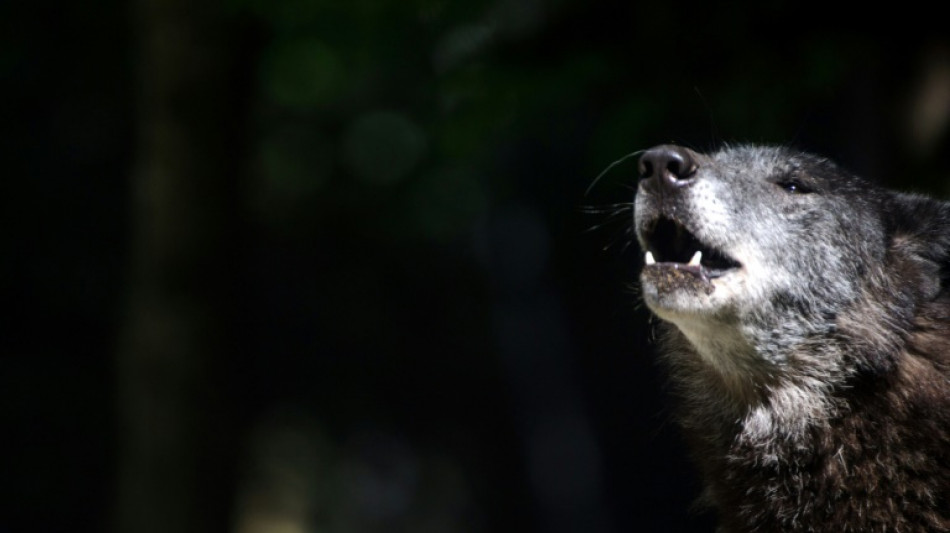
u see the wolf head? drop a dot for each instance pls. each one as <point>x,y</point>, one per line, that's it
<point>772,261</point>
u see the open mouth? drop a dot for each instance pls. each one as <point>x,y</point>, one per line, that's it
<point>670,244</point>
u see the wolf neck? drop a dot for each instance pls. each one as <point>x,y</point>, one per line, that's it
<point>736,373</point>
<point>722,346</point>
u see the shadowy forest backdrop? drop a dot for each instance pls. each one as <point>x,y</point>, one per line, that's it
<point>309,266</point>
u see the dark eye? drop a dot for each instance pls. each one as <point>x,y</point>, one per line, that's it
<point>794,187</point>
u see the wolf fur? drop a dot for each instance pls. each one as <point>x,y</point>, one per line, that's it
<point>809,346</point>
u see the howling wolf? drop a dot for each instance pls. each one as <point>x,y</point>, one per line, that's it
<point>805,319</point>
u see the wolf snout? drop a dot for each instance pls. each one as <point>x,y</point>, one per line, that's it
<point>671,166</point>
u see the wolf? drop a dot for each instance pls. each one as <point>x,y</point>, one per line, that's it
<point>805,326</point>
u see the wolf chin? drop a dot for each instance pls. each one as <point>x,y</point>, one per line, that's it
<point>805,323</point>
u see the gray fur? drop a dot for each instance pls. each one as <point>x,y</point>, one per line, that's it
<point>803,374</point>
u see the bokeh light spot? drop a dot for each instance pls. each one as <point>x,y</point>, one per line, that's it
<point>446,202</point>
<point>294,163</point>
<point>303,73</point>
<point>383,147</point>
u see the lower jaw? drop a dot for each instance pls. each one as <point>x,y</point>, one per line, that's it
<point>667,278</point>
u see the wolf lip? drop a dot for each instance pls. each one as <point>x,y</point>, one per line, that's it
<point>670,244</point>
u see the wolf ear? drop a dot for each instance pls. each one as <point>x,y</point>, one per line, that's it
<point>919,230</point>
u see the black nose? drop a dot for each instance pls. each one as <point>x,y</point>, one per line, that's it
<point>672,166</point>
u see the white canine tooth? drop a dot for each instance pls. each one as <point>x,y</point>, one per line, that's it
<point>649,258</point>
<point>697,257</point>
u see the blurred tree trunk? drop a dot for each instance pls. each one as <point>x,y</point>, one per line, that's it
<point>177,432</point>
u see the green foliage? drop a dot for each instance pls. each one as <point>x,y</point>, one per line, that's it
<point>302,73</point>
<point>382,147</point>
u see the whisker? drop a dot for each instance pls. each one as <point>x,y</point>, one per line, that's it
<point>610,167</point>
<point>618,236</point>
<point>611,215</point>
<point>607,208</point>
<point>629,242</point>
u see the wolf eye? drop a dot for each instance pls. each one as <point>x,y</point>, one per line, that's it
<point>794,187</point>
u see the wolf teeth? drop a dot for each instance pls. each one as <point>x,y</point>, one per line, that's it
<point>650,260</point>
<point>697,257</point>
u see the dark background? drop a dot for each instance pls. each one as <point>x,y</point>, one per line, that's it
<point>311,266</point>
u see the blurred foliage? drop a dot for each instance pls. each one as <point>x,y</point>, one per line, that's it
<point>302,73</point>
